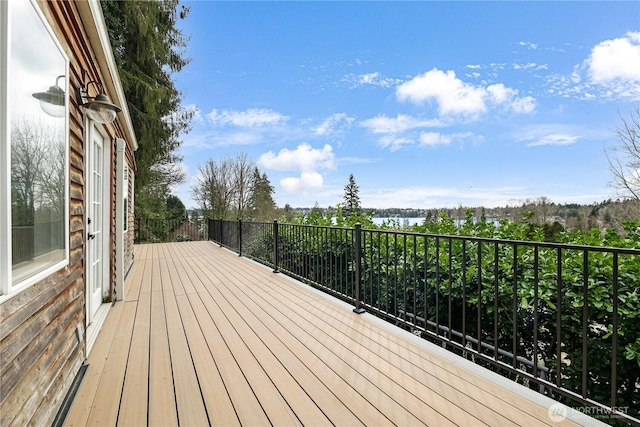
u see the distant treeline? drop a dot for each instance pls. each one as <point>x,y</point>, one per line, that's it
<point>571,216</point>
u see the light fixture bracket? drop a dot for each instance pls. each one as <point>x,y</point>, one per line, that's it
<point>98,107</point>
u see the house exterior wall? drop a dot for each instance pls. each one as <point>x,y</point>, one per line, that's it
<point>42,327</point>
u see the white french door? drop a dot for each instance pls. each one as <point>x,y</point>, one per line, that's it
<point>97,234</point>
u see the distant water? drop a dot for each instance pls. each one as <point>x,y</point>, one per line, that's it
<point>403,222</point>
<point>408,222</point>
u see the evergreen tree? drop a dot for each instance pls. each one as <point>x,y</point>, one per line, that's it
<point>175,208</point>
<point>351,199</point>
<point>261,202</point>
<point>148,49</point>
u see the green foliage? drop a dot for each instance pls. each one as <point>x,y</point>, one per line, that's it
<point>148,49</point>
<point>175,209</point>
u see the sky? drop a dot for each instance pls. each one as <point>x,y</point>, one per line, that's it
<point>428,104</point>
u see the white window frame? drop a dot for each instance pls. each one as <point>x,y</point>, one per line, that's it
<point>7,289</point>
<point>125,188</point>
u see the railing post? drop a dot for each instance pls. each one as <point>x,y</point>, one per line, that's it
<point>275,246</point>
<point>239,236</point>
<point>358,256</point>
<point>221,227</point>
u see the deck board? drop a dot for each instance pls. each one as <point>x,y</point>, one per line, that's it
<point>215,396</point>
<point>91,381</point>
<point>109,392</point>
<point>205,337</point>
<point>135,391</point>
<point>162,406</point>
<point>191,411</point>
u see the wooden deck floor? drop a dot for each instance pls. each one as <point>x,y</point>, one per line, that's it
<point>204,337</point>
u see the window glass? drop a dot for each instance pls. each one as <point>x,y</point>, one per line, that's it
<point>37,105</point>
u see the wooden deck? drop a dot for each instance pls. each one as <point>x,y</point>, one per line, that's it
<point>204,337</point>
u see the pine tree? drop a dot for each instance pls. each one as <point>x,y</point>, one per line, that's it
<point>351,199</point>
<point>262,205</point>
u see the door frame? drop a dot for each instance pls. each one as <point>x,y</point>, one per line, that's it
<point>93,128</point>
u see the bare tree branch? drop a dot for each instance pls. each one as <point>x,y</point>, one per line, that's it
<point>624,158</point>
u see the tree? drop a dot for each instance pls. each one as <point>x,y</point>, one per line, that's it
<point>624,159</point>
<point>543,207</point>
<point>37,171</point>
<point>233,187</point>
<point>214,191</point>
<point>148,49</point>
<point>351,199</point>
<point>241,170</point>
<point>262,206</point>
<point>175,208</point>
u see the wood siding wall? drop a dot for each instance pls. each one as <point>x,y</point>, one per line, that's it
<point>129,235</point>
<point>40,352</point>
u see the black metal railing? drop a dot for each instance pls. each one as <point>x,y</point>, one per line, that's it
<point>31,240</point>
<point>169,230</point>
<point>562,318</point>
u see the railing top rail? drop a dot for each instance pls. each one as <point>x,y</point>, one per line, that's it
<point>630,251</point>
<point>551,245</point>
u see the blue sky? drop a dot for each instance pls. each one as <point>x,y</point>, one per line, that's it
<point>428,104</point>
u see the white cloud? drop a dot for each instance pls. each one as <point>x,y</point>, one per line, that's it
<point>528,45</point>
<point>372,79</point>
<point>434,138</point>
<point>401,123</point>
<point>307,181</point>
<point>530,66</point>
<point>499,93</point>
<point>616,59</point>
<point>524,105</point>
<point>303,158</point>
<point>252,117</point>
<point>334,124</point>
<point>456,97</point>
<point>369,78</point>
<point>551,134</point>
<point>554,139</point>
<point>393,142</point>
<point>611,72</point>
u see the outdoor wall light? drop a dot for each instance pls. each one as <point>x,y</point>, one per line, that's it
<point>52,101</point>
<point>98,107</point>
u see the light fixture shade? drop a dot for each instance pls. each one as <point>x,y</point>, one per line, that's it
<point>52,101</point>
<point>101,110</point>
